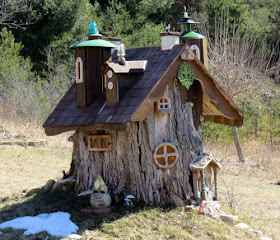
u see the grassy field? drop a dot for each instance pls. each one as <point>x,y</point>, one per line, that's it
<point>248,190</point>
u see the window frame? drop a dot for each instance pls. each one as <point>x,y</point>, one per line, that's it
<point>166,155</point>
<point>99,143</point>
<point>79,70</point>
<point>165,106</point>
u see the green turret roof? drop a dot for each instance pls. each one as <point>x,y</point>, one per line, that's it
<point>94,43</point>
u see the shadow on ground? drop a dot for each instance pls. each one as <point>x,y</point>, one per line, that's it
<point>43,202</point>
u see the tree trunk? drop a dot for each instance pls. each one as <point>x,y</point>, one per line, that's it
<point>130,169</point>
<point>237,144</point>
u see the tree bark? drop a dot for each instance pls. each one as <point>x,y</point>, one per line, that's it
<point>237,144</point>
<point>130,169</point>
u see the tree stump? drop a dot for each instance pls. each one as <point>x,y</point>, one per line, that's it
<point>129,168</point>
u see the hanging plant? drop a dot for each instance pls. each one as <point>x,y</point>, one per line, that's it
<point>186,75</point>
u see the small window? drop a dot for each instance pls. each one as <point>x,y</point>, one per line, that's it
<point>164,105</point>
<point>79,70</point>
<point>98,143</point>
<point>166,155</point>
<point>194,48</point>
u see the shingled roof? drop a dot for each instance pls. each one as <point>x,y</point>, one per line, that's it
<point>66,116</point>
<point>138,100</point>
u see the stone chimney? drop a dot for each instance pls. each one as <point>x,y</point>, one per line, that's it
<point>169,39</point>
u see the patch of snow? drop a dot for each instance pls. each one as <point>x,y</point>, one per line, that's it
<point>242,225</point>
<point>75,236</point>
<point>57,224</point>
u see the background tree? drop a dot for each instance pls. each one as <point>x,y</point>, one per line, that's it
<point>9,9</point>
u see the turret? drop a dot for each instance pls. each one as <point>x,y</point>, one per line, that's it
<point>196,41</point>
<point>91,56</point>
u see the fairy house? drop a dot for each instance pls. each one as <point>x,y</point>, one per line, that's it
<point>137,115</point>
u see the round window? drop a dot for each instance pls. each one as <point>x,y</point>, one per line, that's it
<point>166,155</point>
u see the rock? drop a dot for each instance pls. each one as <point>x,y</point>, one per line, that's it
<point>32,191</point>
<point>49,185</point>
<point>229,218</point>
<point>56,186</point>
<point>86,193</point>
<point>68,181</point>
<point>188,208</point>
<point>242,225</point>
<point>256,231</point>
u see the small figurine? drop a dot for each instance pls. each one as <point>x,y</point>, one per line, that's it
<point>100,198</point>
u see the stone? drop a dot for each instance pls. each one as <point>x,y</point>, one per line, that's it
<point>86,193</point>
<point>32,191</point>
<point>56,186</point>
<point>68,181</point>
<point>229,218</point>
<point>49,185</point>
<point>242,225</point>
<point>256,231</point>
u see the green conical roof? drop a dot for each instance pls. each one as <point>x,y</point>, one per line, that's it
<point>94,43</point>
<point>191,35</point>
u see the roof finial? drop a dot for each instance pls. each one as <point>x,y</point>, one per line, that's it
<point>186,13</point>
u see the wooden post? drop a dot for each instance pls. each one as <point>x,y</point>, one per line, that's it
<point>195,187</point>
<point>216,184</point>
<point>203,195</point>
<point>112,90</point>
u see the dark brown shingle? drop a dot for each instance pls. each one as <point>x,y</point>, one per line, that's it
<point>67,114</point>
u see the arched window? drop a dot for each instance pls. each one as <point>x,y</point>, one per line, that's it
<point>164,105</point>
<point>194,48</point>
<point>79,70</point>
<point>166,155</point>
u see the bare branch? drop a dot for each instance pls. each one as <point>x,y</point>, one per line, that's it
<point>8,11</point>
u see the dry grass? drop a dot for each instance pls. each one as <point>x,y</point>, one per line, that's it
<point>261,160</point>
<point>256,201</point>
<point>248,186</point>
<point>251,188</point>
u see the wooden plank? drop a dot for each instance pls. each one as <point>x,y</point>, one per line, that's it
<point>216,183</point>
<point>118,127</point>
<point>112,91</point>
<point>202,180</point>
<point>204,53</point>
<point>96,59</point>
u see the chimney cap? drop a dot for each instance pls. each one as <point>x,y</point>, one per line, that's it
<point>170,34</point>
